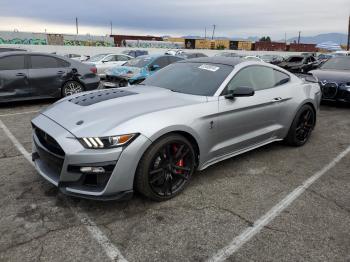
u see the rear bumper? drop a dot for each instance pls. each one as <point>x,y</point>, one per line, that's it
<point>63,170</point>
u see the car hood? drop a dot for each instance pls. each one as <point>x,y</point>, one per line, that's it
<point>337,76</point>
<point>97,114</point>
<point>124,70</point>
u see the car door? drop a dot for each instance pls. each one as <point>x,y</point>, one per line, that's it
<point>14,82</point>
<point>47,74</point>
<point>246,122</point>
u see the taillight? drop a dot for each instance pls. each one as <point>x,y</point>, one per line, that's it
<point>93,70</point>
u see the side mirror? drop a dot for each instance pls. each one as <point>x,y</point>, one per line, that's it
<point>154,67</point>
<point>240,92</point>
<point>104,61</point>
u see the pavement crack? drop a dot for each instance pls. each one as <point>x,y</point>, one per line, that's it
<point>329,200</point>
<point>39,237</point>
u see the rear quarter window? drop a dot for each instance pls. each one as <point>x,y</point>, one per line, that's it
<point>14,62</point>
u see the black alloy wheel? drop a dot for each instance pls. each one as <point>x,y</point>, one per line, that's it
<point>302,126</point>
<point>166,168</point>
<point>71,88</point>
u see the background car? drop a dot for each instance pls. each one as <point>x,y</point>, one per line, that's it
<point>186,117</point>
<point>138,69</point>
<point>77,57</point>
<point>272,59</point>
<point>27,75</point>
<point>299,63</point>
<point>135,53</point>
<point>102,62</point>
<point>10,49</point>
<point>334,78</point>
<point>227,54</point>
<point>252,58</point>
<point>191,55</point>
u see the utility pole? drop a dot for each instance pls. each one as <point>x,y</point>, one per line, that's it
<point>299,37</point>
<point>348,47</point>
<point>111,28</point>
<point>76,25</point>
<point>285,37</point>
<point>205,33</point>
<point>212,37</point>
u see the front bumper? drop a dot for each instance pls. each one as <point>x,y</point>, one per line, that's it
<point>335,92</point>
<point>60,163</point>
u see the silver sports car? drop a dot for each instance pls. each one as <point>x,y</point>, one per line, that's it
<point>151,137</point>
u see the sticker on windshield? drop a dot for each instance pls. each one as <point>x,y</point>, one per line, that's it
<point>209,68</point>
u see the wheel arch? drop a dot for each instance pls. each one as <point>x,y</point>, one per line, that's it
<point>185,133</point>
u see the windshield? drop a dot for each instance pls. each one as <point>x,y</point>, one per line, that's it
<point>139,62</point>
<point>295,59</point>
<point>191,78</point>
<point>337,63</point>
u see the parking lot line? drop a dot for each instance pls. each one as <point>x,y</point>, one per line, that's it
<point>111,250</point>
<point>259,224</point>
<point>20,113</point>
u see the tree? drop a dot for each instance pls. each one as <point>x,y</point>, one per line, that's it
<point>265,39</point>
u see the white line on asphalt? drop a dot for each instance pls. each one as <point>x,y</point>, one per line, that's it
<point>259,224</point>
<point>111,250</point>
<point>20,113</point>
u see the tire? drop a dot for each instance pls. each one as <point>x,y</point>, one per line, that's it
<point>166,168</point>
<point>302,126</point>
<point>71,87</point>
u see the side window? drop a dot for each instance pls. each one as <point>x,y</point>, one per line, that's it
<point>280,78</point>
<point>123,58</point>
<point>40,61</point>
<point>161,61</point>
<point>111,58</point>
<point>256,77</point>
<point>62,63</point>
<point>15,62</point>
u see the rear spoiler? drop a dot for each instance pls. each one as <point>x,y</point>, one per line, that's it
<point>308,78</point>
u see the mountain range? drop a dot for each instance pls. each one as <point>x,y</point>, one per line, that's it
<point>338,38</point>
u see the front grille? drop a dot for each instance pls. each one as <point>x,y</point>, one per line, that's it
<point>329,90</point>
<point>49,142</point>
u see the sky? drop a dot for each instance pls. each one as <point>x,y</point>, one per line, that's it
<point>233,18</point>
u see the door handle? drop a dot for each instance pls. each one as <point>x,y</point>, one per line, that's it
<point>277,99</point>
<point>20,74</point>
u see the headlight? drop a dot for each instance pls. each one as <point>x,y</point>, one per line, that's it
<point>106,142</point>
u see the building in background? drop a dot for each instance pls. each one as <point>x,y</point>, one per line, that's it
<point>120,40</point>
<point>270,46</point>
<point>295,47</point>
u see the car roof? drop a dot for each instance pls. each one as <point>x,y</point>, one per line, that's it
<point>230,61</point>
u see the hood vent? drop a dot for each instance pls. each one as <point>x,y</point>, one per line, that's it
<point>87,99</point>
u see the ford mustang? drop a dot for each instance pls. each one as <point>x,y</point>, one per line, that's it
<point>152,137</point>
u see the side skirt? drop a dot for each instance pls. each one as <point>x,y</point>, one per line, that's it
<point>235,153</point>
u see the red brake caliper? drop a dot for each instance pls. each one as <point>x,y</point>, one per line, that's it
<point>180,162</point>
